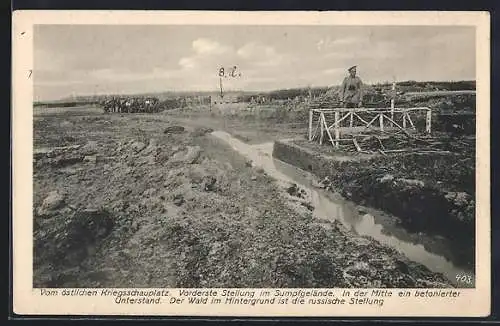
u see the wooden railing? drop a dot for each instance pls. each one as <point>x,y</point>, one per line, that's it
<point>333,122</point>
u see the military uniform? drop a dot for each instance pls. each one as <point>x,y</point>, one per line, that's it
<point>351,91</point>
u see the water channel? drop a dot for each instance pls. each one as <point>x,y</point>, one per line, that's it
<point>367,222</point>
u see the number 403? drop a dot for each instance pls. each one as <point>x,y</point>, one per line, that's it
<point>464,278</point>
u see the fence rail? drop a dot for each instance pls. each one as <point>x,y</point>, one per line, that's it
<point>333,122</point>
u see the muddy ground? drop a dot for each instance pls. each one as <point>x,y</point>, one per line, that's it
<point>155,201</point>
<point>431,193</point>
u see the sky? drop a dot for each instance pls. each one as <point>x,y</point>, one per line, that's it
<point>126,59</point>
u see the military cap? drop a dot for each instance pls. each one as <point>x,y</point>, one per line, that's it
<point>351,68</point>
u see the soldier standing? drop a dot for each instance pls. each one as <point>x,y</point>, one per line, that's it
<point>351,91</point>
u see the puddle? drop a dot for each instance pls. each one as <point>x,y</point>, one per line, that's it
<point>370,222</point>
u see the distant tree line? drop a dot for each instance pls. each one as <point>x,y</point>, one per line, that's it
<point>63,104</point>
<point>412,85</point>
<point>374,92</point>
<point>284,94</point>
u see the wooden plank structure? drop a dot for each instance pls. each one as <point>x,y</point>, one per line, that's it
<point>334,123</point>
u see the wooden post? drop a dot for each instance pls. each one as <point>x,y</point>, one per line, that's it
<point>428,121</point>
<point>404,119</point>
<point>310,124</point>
<point>381,121</point>
<point>351,122</point>
<point>411,122</point>
<point>392,99</point>
<point>337,131</point>
<point>322,122</point>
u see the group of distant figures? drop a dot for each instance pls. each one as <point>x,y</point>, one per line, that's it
<point>131,105</point>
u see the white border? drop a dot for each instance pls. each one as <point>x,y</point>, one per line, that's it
<point>472,302</point>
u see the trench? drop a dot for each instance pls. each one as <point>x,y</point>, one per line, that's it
<point>431,252</point>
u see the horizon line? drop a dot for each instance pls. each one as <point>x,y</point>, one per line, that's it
<point>66,97</point>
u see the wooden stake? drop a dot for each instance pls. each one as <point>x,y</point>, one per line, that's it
<point>380,142</point>
<point>428,121</point>
<point>337,131</point>
<point>315,134</point>
<point>411,122</point>
<point>392,99</point>
<point>358,148</point>
<point>402,130</point>
<point>339,120</point>
<point>322,117</point>
<point>361,119</point>
<point>330,137</point>
<point>372,121</point>
<point>310,124</point>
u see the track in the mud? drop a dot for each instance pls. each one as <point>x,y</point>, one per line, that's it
<point>243,221</point>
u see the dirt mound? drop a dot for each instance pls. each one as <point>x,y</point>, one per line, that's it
<point>201,131</point>
<point>69,238</point>
<point>58,156</point>
<point>188,155</point>
<point>174,130</point>
<point>51,204</point>
<point>294,190</point>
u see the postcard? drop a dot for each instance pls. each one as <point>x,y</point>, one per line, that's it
<point>204,163</point>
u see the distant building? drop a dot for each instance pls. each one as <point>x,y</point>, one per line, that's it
<point>226,99</point>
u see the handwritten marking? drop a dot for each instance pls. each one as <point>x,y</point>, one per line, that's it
<point>464,278</point>
<point>229,72</point>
